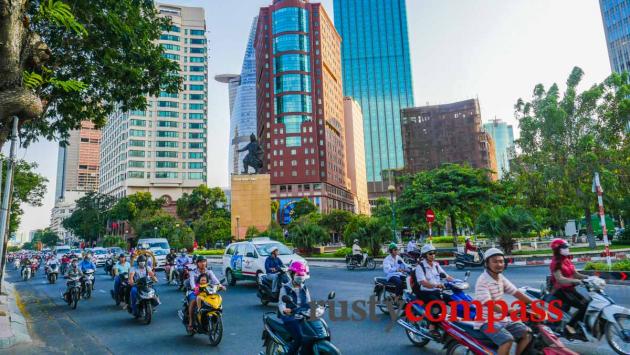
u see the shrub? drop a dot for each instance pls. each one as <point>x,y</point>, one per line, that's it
<point>623,265</point>
<point>209,252</point>
<point>114,241</point>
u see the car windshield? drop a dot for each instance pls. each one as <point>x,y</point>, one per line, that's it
<point>76,251</point>
<point>265,249</point>
<point>158,245</point>
<point>100,251</point>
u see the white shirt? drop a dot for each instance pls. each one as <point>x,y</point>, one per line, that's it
<point>487,289</point>
<point>391,266</point>
<point>411,246</point>
<point>356,250</point>
<point>432,275</point>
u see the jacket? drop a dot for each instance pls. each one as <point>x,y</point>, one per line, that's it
<point>272,262</point>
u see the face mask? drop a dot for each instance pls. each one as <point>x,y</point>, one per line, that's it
<point>141,264</point>
<point>298,280</point>
<point>564,251</point>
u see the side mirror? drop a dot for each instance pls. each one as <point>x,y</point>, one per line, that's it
<point>331,295</point>
<point>287,299</point>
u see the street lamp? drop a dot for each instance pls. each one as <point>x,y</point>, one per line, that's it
<point>392,189</point>
<point>155,232</point>
<point>238,230</point>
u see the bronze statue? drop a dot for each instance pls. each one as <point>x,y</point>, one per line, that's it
<point>254,157</point>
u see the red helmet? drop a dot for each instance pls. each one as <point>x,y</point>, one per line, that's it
<point>557,244</point>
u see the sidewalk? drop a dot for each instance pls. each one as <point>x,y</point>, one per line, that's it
<point>13,327</point>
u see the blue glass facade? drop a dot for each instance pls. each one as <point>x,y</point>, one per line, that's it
<point>503,136</point>
<point>377,74</point>
<point>616,18</point>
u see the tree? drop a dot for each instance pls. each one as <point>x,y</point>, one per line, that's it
<point>48,237</point>
<point>89,218</point>
<point>371,232</point>
<point>275,232</point>
<point>504,224</point>
<point>114,241</point>
<point>211,229</point>
<point>454,190</point>
<point>29,188</point>
<point>201,200</point>
<point>275,206</point>
<point>305,233</point>
<point>566,138</point>
<point>302,208</point>
<point>128,207</point>
<point>335,221</point>
<point>63,62</point>
<point>252,232</point>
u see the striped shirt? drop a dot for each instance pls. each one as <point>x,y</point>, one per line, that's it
<point>489,289</point>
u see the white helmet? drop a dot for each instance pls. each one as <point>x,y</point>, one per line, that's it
<point>427,248</point>
<point>492,252</point>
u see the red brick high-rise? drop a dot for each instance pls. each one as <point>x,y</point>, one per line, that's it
<point>300,105</point>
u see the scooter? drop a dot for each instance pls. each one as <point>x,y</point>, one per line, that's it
<point>366,262</point>
<point>73,291</point>
<point>52,272</point>
<point>463,260</point>
<point>123,291</point>
<point>385,293</point>
<point>411,258</point>
<point>315,331</point>
<point>26,272</point>
<point>265,286</point>
<point>171,273</point>
<point>209,319</point>
<point>147,299</point>
<point>87,284</point>
<point>603,316</point>
<point>109,266</point>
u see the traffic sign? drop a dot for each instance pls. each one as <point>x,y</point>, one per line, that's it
<point>430,216</point>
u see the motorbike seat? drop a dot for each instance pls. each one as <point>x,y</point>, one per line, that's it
<point>475,333</point>
<point>382,281</point>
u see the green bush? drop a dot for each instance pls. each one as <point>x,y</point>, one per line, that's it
<point>623,265</point>
<point>114,241</point>
<point>209,252</point>
<point>342,252</point>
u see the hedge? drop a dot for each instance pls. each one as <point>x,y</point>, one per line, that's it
<point>623,265</point>
<point>209,252</point>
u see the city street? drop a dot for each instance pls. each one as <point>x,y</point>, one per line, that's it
<point>98,327</point>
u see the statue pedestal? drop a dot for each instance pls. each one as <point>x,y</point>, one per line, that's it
<point>251,203</point>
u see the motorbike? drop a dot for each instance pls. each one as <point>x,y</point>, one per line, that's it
<point>183,276</point>
<point>52,272</point>
<point>147,299</point>
<point>315,331</point>
<point>109,266</point>
<point>463,260</point>
<point>411,258</point>
<point>209,318</point>
<point>123,291</point>
<point>34,267</point>
<point>366,262</point>
<point>265,286</point>
<point>87,283</point>
<point>603,317</point>
<point>64,267</point>
<point>26,272</point>
<point>385,293</point>
<point>73,291</point>
<point>171,272</point>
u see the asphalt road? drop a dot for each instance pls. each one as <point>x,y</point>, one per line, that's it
<point>97,326</point>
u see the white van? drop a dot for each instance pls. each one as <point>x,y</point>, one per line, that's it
<point>62,249</point>
<point>159,247</point>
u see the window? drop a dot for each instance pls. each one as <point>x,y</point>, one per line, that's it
<point>197,59</point>
<point>166,175</point>
<point>137,113</point>
<point>195,176</point>
<point>195,165</point>
<point>167,124</point>
<point>171,47</point>
<point>290,62</point>
<point>195,135</point>
<point>293,103</point>
<point>134,122</point>
<point>197,68</point>
<point>166,144</point>
<point>137,133</point>
<point>195,106</point>
<point>168,114</point>
<point>196,116</point>
<point>135,164</point>
<point>165,154</point>
<point>197,32</point>
<point>136,153</point>
<point>196,77</point>
<point>197,88</point>
<point>166,164</point>
<point>85,140</point>
<point>168,94</point>
<point>168,134</point>
<point>197,96</point>
<point>170,56</point>
<point>195,155</point>
<point>197,50</point>
<point>291,42</point>
<point>195,145</point>
<point>168,104</point>
<point>290,19</point>
<point>171,28</point>
<point>136,143</point>
<point>197,41</point>
<point>135,174</point>
<point>293,82</point>
<point>166,37</point>
<point>293,142</point>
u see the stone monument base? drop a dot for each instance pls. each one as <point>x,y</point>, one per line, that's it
<point>250,203</point>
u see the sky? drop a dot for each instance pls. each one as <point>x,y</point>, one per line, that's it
<point>494,50</point>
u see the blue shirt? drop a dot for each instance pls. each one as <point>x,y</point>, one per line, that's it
<point>122,268</point>
<point>84,265</point>
<point>272,262</point>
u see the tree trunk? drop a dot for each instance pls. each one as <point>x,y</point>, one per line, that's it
<point>589,227</point>
<point>454,228</point>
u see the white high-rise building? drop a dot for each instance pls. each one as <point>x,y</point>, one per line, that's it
<point>163,150</point>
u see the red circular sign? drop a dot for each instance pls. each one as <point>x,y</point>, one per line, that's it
<point>430,216</point>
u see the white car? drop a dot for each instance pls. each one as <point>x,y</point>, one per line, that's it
<point>99,255</point>
<point>160,256</point>
<point>246,260</point>
<point>159,247</point>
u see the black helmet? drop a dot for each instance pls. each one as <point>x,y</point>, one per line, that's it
<point>122,255</point>
<point>200,258</point>
<point>142,258</point>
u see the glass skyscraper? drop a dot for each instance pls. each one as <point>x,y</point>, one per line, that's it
<point>377,74</point>
<point>503,136</point>
<point>616,18</point>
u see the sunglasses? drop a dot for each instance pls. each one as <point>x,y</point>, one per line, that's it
<point>431,253</point>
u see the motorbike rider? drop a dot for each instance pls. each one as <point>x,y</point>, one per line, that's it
<point>301,297</point>
<point>357,252</point>
<point>181,262</point>
<point>272,268</point>
<point>170,262</point>
<point>121,266</point>
<point>194,275</point>
<point>429,275</point>
<point>491,286</point>
<point>49,262</point>
<point>73,270</point>
<point>412,246</point>
<point>564,277</point>
<point>87,264</point>
<point>470,249</point>
<point>395,268</point>
<point>142,270</point>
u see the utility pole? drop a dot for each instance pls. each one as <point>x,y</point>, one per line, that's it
<point>6,198</point>
<point>597,188</point>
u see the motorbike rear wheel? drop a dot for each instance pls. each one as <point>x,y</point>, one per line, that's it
<point>274,349</point>
<point>456,348</point>
<point>215,329</point>
<point>350,265</point>
<point>326,348</point>
<point>88,292</point>
<point>148,312</point>
<point>615,341</point>
<point>417,340</point>
<point>371,264</point>
<point>75,299</point>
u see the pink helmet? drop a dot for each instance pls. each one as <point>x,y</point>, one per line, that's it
<point>299,268</point>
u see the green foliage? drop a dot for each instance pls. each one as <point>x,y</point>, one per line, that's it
<point>114,241</point>
<point>29,188</point>
<point>210,228</point>
<point>305,232</point>
<point>624,238</point>
<point>150,224</point>
<point>127,208</point>
<point>89,218</point>
<point>209,252</point>
<point>252,232</point>
<point>504,224</point>
<point>371,232</point>
<point>13,248</point>
<point>335,221</point>
<point>103,56</point>
<point>47,237</point>
<point>200,201</point>
<point>275,231</point>
<point>622,265</point>
<point>302,208</point>
<point>29,246</point>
